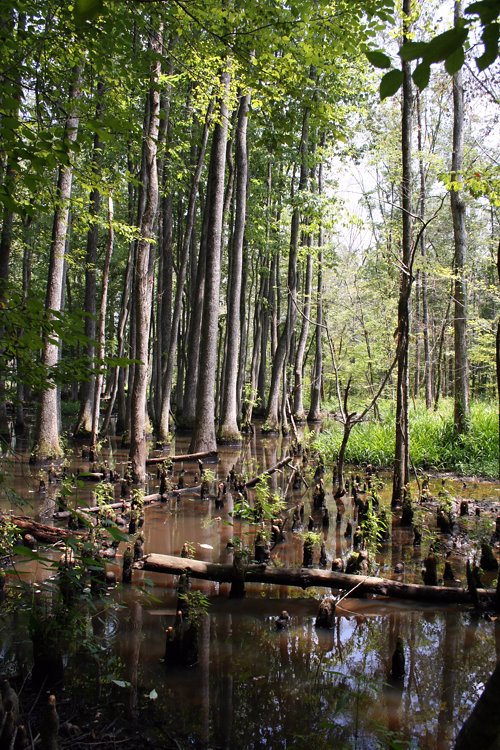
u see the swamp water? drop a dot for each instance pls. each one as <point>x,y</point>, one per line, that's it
<point>255,686</point>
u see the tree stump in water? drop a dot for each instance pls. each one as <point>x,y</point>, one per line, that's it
<point>488,560</point>
<point>326,613</point>
<point>429,573</point>
<point>128,560</point>
<point>307,556</point>
<point>238,584</point>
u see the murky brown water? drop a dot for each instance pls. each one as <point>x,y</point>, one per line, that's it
<point>257,687</point>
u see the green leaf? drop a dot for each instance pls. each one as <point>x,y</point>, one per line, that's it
<point>391,83</point>
<point>378,59</point>
<point>87,10</point>
<point>121,683</point>
<point>421,75</point>
<point>413,50</point>
<point>117,535</point>
<point>487,10</point>
<point>490,40</point>
<point>455,61</point>
<point>443,45</point>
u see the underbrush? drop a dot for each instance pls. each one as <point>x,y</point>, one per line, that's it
<point>433,444</point>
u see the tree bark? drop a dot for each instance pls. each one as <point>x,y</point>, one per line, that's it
<point>402,451</point>
<point>423,252</point>
<point>298,391</point>
<point>143,276</point>
<point>84,422</point>
<point>101,333</point>
<point>47,430</point>
<point>461,370</point>
<point>168,369</point>
<point>273,417</point>
<point>204,429</point>
<point>228,429</point>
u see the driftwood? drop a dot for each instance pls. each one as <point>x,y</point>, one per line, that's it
<point>181,457</point>
<point>155,497</point>
<point>305,577</point>
<point>90,476</point>
<point>284,462</point>
<point>41,531</point>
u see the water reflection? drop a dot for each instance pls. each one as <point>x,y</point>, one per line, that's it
<point>257,687</point>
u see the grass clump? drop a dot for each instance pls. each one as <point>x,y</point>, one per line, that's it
<point>433,443</point>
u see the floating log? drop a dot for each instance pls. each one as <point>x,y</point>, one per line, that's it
<point>41,531</point>
<point>284,462</point>
<point>155,497</point>
<point>305,577</point>
<point>181,457</point>
<point>90,476</point>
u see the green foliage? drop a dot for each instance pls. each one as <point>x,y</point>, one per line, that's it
<point>448,47</point>
<point>433,443</point>
<point>310,538</point>
<point>197,605</point>
<point>9,536</point>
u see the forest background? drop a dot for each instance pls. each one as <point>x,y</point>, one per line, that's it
<point>177,172</point>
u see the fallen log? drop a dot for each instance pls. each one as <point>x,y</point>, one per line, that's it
<point>41,531</point>
<point>155,497</point>
<point>90,476</point>
<point>181,457</point>
<point>284,462</point>
<point>306,577</point>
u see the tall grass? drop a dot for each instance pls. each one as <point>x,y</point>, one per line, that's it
<point>433,444</point>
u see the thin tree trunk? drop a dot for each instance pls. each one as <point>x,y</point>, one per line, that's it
<point>402,451</point>
<point>423,251</point>
<point>194,335</point>
<point>101,334</point>
<point>84,422</point>
<point>203,437</point>
<point>317,376</point>
<point>298,392</point>
<point>168,370</point>
<point>461,374</point>
<point>47,443</point>
<point>229,430</point>
<point>143,275</point>
<point>272,423</point>
<point>9,188</point>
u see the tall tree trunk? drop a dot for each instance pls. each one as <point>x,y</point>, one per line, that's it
<point>244,329</point>
<point>272,412</point>
<point>229,430</point>
<point>101,333</point>
<point>143,274</point>
<point>168,368</point>
<point>165,253</point>
<point>423,251</point>
<point>194,334</point>
<point>84,422</point>
<point>203,438</point>
<point>47,430</point>
<point>9,186</point>
<point>497,359</point>
<point>461,374</point>
<point>402,451</point>
<point>317,375</point>
<point>298,392</point>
